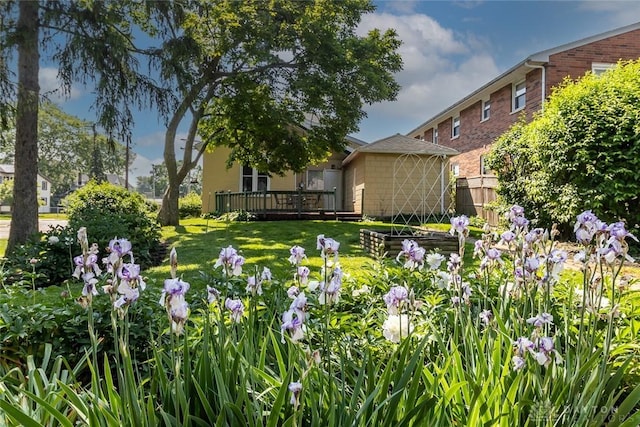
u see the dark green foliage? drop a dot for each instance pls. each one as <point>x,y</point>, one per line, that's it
<point>109,211</point>
<point>237,216</point>
<point>581,152</point>
<point>52,253</point>
<point>190,205</point>
<point>56,318</point>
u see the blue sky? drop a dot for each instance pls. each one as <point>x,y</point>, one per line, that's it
<point>450,48</point>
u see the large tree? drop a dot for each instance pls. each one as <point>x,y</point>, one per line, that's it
<point>68,146</point>
<point>281,83</point>
<point>581,152</point>
<point>90,42</point>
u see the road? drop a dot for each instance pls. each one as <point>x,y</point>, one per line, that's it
<point>43,225</point>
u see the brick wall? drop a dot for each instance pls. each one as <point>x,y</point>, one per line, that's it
<point>477,135</point>
<point>575,62</point>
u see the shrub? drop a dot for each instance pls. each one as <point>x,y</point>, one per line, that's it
<point>109,211</point>
<point>25,326</point>
<point>237,216</point>
<point>52,254</point>
<point>190,205</point>
<point>581,152</point>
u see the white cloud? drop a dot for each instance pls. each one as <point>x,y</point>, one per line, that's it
<point>440,67</point>
<point>149,149</point>
<point>51,87</point>
<point>618,13</point>
<point>141,166</point>
<point>155,139</point>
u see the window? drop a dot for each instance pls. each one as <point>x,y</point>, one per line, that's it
<point>44,186</point>
<point>519,96</point>
<point>484,169</point>
<point>599,68</point>
<point>435,135</point>
<point>486,110</point>
<point>252,180</point>
<point>455,169</point>
<point>455,128</point>
<point>315,180</point>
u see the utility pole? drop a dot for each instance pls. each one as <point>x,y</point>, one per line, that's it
<point>126,167</point>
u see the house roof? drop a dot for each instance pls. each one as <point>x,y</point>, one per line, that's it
<point>9,169</point>
<point>353,143</point>
<point>516,73</point>
<point>401,144</point>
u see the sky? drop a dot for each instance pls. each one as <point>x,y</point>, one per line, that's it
<point>449,49</point>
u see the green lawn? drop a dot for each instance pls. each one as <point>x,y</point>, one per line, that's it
<point>198,242</point>
<point>265,243</point>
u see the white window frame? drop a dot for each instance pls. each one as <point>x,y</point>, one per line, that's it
<point>484,170</point>
<point>516,94</point>
<point>599,68</point>
<point>485,114</point>
<point>455,130</point>
<point>312,172</point>
<point>455,169</point>
<point>254,179</point>
<point>435,135</point>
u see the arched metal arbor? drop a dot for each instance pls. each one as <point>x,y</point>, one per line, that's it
<point>422,191</point>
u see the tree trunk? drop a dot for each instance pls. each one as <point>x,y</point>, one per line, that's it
<point>169,214</point>
<point>24,217</point>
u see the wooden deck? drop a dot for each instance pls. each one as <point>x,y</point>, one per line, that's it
<point>318,216</point>
<point>284,205</point>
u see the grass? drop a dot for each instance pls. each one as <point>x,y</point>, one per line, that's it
<point>199,242</point>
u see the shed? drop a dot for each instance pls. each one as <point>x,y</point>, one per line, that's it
<point>399,176</point>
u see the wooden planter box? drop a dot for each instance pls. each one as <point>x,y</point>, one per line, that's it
<point>383,243</point>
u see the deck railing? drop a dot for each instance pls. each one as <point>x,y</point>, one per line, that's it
<point>263,202</point>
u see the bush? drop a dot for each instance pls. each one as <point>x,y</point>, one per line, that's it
<point>27,325</point>
<point>190,206</point>
<point>52,254</point>
<point>237,216</point>
<point>109,211</point>
<point>582,152</point>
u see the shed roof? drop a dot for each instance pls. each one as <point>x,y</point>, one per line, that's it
<point>401,144</point>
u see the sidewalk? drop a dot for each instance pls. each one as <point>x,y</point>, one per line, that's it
<point>43,225</point>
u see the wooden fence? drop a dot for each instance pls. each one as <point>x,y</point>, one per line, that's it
<point>473,194</point>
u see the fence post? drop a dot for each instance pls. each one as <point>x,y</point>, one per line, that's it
<point>335,209</point>
<point>264,203</point>
<point>299,202</point>
<point>362,202</point>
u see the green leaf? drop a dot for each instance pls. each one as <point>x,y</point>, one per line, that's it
<point>629,404</point>
<point>17,415</point>
<point>62,419</point>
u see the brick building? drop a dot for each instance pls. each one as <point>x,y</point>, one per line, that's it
<point>472,124</point>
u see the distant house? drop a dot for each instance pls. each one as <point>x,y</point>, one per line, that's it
<point>363,176</point>
<point>44,189</point>
<point>473,123</point>
<point>325,176</point>
<point>112,178</point>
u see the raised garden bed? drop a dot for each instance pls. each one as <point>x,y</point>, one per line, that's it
<point>384,243</point>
